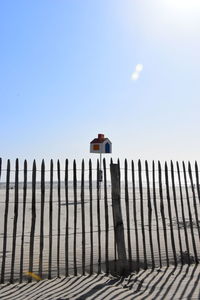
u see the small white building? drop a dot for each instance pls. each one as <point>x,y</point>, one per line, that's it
<point>101,145</point>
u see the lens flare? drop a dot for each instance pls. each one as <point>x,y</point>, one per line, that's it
<point>139,67</point>
<point>135,76</point>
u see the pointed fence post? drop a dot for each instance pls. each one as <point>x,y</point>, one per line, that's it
<point>122,264</point>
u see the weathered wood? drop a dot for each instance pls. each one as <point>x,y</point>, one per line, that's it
<point>127,214</point>
<point>118,221</point>
<point>183,214</point>
<point>149,214</point>
<point>197,180</point>
<point>83,217</point>
<point>190,214</point>
<point>194,198</point>
<point>33,218</point>
<point>23,222</point>
<point>156,213</point>
<point>0,166</point>
<point>42,217</point>
<point>142,213</point>
<point>114,240</point>
<point>75,214</point>
<point>50,219</point>
<point>176,211</point>
<point>15,220</point>
<point>99,217</point>
<point>106,218</point>
<point>135,218</point>
<point>91,217</point>
<point>67,221</point>
<point>170,214</point>
<point>59,207</point>
<point>162,211</point>
<point>5,222</point>
<point>118,162</point>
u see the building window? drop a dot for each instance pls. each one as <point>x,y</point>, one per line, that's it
<point>95,147</point>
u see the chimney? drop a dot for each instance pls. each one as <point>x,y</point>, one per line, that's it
<point>100,136</point>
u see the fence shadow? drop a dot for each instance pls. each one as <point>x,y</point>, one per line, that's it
<point>124,224</point>
<point>167,283</point>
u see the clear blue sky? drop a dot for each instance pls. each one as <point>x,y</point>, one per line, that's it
<point>65,76</point>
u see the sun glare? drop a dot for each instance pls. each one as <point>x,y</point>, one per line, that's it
<point>183,4</point>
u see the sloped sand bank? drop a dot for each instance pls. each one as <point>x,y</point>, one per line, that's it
<point>167,283</point>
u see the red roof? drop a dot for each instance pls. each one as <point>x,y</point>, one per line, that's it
<point>98,140</point>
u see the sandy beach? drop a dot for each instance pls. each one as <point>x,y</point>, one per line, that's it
<point>162,282</point>
<point>167,283</point>
<point>154,231</point>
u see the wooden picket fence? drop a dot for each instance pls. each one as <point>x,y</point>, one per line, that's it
<point>62,221</point>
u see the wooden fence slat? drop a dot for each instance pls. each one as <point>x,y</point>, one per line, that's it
<point>42,217</point>
<point>149,214</point>
<point>118,162</point>
<point>0,166</point>
<point>183,214</point>
<point>5,222</point>
<point>176,211</point>
<point>67,221</point>
<point>162,210</point>
<point>83,217</point>
<point>170,214</point>
<point>106,218</point>
<point>156,214</point>
<point>23,222</point>
<point>194,198</point>
<point>127,214</point>
<point>50,219</point>
<point>91,217</point>
<point>142,213</point>
<point>114,240</point>
<point>59,207</point>
<point>197,180</point>
<point>15,220</point>
<point>99,216</point>
<point>75,214</point>
<point>118,221</point>
<point>135,218</point>
<point>33,218</point>
<point>190,214</point>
